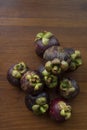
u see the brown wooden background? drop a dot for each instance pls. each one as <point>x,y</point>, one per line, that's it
<point>20,20</point>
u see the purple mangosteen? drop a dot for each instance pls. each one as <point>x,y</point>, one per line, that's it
<point>43,41</point>
<point>15,73</point>
<point>68,88</point>
<point>76,60</point>
<point>57,60</point>
<point>38,104</point>
<point>31,82</point>
<point>60,110</point>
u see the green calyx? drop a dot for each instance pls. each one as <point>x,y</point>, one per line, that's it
<point>40,109</point>
<point>18,70</point>
<point>72,65</point>
<point>38,86</point>
<point>48,66</point>
<point>76,60</point>
<point>45,73</point>
<point>65,110</point>
<point>44,36</point>
<point>65,113</point>
<point>41,100</point>
<point>55,61</point>
<point>21,67</point>
<point>41,106</point>
<point>64,65</point>
<point>53,66</point>
<point>76,54</point>
<point>35,107</point>
<point>34,81</point>
<point>75,63</point>
<point>16,74</point>
<point>56,70</point>
<point>66,87</point>
<point>51,81</point>
<point>44,108</point>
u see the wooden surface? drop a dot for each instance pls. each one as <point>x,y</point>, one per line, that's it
<point>20,20</point>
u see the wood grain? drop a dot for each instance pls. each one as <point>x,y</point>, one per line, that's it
<point>20,20</point>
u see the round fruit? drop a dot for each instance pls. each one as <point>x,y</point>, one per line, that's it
<point>68,88</point>
<point>39,104</point>
<point>15,73</point>
<point>43,41</point>
<point>31,82</point>
<point>59,110</point>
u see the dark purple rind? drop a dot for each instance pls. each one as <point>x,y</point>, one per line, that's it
<point>56,52</point>
<point>41,48</point>
<point>29,101</point>
<point>70,51</point>
<point>75,84</point>
<point>30,89</point>
<point>39,71</point>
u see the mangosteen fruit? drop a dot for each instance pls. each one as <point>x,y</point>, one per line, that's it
<point>43,41</point>
<point>60,110</point>
<point>15,73</point>
<point>38,104</point>
<point>31,82</point>
<point>68,88</point>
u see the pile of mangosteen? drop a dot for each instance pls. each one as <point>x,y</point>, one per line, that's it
<point>48,78</point>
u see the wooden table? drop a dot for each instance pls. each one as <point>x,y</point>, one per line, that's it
<point>20,21</point>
